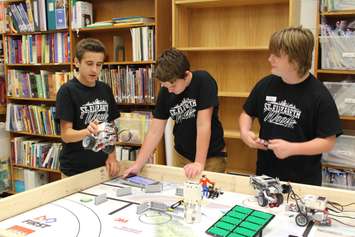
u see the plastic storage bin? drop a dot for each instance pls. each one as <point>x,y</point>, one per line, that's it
<point>132,129</point>
<point>338,52</point>
<point>343,153</point>
<point>344,96</point>
<point>337,5</point>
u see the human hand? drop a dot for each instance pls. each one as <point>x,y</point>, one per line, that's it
<point>253,141</point>
<point>193,169</point>
<point>281,148</point>
<point>93,127</point>
<point>132,170</point>
<point>112,166</point>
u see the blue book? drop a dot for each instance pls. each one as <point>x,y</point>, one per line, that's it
<point>50,4</point>
<point>60,16</point>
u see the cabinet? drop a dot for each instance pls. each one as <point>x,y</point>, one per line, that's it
<point>336,67</point>
<point>229,39</point>
<point>19,63</point>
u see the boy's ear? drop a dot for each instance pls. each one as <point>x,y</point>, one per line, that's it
<point>76,62</point>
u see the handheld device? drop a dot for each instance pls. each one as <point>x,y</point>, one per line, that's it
<point>138,181</point>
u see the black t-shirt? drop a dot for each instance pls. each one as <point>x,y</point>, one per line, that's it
<point>80,105</point>
<point>295,113</point>
<point>200,94</point>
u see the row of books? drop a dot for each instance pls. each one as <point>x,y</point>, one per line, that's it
<point>35,153</point>
<point>32,119</point>
<point>38,48</point>
<point>38,15</point>
<point>338,178</point>
<point>142,43</point>
<point>2,82</point>
<point>26,179</point>
<point>82,14</point>
<point>35,85</point>
<point>130,84</point>
<point>133,127</point>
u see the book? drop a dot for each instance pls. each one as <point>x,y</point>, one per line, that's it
<point>60,15</point>
<point>99,24</point>
<point>133,20</point>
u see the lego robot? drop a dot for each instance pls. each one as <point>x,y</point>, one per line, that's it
<point>104,140</point>
<point>312,208</point>
<point>269,190</point>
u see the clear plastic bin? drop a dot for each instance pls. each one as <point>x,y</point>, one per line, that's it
<point>337,5</point>
<point>338,52</point>
<point>344,96</point>
<point>132,130</point>
<point>343,153</point>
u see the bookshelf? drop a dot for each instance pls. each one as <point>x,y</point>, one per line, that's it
<point>230,40</point>
<point>20,65</point>
<point>327,70</point>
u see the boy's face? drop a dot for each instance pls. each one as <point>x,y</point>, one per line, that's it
<point>281,66</point>
<point>177,86</point>
<point>89,67</point>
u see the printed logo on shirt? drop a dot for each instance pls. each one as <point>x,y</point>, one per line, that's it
<point>97,109</point>
<point>281,113</point>
<point>185,110</point>
<point>271,98</point>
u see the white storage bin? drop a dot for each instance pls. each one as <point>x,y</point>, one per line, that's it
<point>343,153</point>
<point>132,128</point>
<point>338,5</point>
<point>338,52</point>
<point>344,96</point>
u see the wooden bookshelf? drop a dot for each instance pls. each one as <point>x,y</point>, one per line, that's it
<point>329,71</point>
<point>241,49</point>
<point>230,40</point>
<point>103,10</point>
<point>130,62</point>
<point>2,109</point>
<point>36,168</point>
<point>35,32</point>
<point>110,28</point>
<point>338,13</point>
<point>13,98</point>
<point>339,167</point>
<point>334,75</point>
<point>35,134</point>
<point>39,65</point>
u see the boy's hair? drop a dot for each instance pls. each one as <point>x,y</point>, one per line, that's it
<point>171,65</point>
<point>89,45</point>
<point>297,43</point>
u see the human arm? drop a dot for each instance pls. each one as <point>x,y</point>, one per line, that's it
<point>150,142</point>
<point>112,164</point>
<point>69,135</point>
<point>203,126</point>
<point>284,149</point>
<point>248,136</point>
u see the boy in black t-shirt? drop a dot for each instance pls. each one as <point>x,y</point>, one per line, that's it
<point>189,98</point>
<point>297,115</point>
<point>81,104</point>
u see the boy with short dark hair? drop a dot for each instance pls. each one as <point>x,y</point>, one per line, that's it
<point>81,104</point>
<point>297,115</point>
<point>189,98</point>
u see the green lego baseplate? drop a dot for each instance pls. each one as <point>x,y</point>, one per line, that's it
<point>240,222</point>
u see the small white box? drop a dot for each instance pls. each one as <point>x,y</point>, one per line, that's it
<point>344,96</point>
